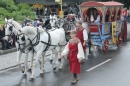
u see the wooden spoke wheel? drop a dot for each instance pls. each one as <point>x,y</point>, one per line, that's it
<point>119,40</point>
<point>105,45</point>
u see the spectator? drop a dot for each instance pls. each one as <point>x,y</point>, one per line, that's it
<point>41,11</point>
<point>37,12</point>
<point>27,20</point>
<point>4,39</point>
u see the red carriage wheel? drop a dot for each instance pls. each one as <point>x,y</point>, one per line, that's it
<point>105,45</point>
<point>119,40</point>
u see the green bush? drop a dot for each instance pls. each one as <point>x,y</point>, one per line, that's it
<point>2,22</point>
<point>23,6</point>
<point>9,9</point>
<point>3,11</point>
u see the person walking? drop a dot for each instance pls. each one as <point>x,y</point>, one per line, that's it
<point>75,55</point>
<point>82,34</point>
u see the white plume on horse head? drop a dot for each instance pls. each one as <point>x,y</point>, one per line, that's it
<point>53,20</point>
<point>6,19</point>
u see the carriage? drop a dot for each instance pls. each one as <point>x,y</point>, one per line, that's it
<point>107,30</point>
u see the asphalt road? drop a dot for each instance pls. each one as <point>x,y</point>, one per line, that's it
<point>109,69</point>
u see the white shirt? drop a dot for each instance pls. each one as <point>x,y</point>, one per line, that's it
<point>85,34</point>
<point>92,18</point>
<point>80,54</point>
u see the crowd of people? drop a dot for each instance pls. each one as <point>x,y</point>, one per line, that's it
<point>7,42</point>
<point>53,10</point>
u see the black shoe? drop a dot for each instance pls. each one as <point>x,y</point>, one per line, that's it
<point>8,47</point>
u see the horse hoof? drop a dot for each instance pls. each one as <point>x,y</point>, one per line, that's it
<point>51,61</point>
<point>41,74</point>
<point>59,60</point>
<point>24,75</point>
<point>29,70</point>
<point>60,70</point>
<point>89,55</point>
<point>54,68</point>
<point>22,71</point>
<point>23,68</point>
<point>31,79</point>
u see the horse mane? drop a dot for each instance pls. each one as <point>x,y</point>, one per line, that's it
<point>17,25</point>
<point>31,30</point>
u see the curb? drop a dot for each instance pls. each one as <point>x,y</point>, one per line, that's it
<point>7,51</point>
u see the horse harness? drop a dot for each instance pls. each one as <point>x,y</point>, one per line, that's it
<point>37,37</point>
<point>31,45</point>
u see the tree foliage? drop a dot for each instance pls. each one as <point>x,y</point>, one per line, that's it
<point>9,9</point>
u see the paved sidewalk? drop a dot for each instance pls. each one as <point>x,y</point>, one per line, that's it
<point>9,60</point>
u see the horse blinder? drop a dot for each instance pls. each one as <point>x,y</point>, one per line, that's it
<point>10,28</point>
<point>23,38</point>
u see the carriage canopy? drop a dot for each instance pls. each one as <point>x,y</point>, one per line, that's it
<point>93,4</point>
<point>110,8</point>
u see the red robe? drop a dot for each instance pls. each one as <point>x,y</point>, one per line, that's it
<point>73,60</point>
<point>80,36</point>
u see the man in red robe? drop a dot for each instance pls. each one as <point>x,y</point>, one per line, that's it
<point>82,34</point>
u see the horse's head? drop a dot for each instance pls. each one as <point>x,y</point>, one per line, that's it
<point>53,20</point>
<point>9,27</point>
<point>22,41</point>
<point>61,22</point>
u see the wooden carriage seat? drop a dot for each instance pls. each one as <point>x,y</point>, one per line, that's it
<point>94,29</point>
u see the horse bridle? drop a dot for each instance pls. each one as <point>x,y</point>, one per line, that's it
<point>10,28</point>
<point>30,44</point>
<point>52,21</point>
<point>23,38</point>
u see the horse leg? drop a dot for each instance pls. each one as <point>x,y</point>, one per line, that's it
<point>42,64</point>
<point>35,64</point>
<point>31,63</point>
<point>61,61</point>
<point>19,53</point>
<point>54,60</point>
<point>51,57</point>
<point>89,44</point>
<point>25,64</point>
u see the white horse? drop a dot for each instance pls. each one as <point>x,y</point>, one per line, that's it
<point>13,27</point>
<point>47,41</point>
<point>57,24</point>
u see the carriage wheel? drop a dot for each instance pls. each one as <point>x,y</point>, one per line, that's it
<point>119,40</point>
<point>105,45</point>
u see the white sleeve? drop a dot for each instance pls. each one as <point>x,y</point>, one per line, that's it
<point>91,18</point>
<point>80,54</point>
<point>66,50</point>
<point>98,18</point>
<point>85,34</point>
